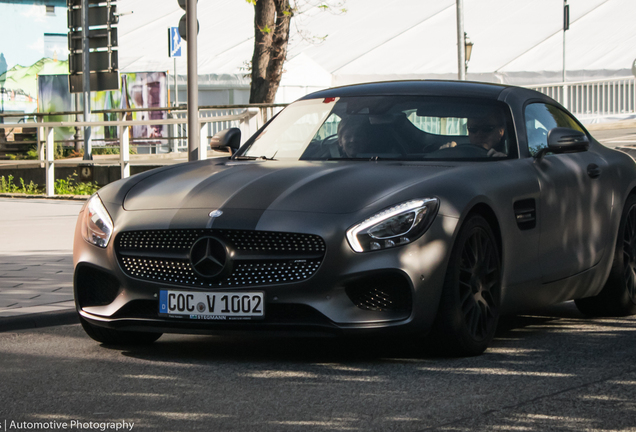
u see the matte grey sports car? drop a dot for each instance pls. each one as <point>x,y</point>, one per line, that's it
<point>426,208</point>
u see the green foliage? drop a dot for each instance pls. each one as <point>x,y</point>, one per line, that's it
<point>7,186</point>
<point>266,29</point>
<point>32,153</point>
<point>68,186</point>
<point>252,2</point>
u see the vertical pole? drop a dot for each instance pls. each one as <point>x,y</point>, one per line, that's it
<point>50,169</point>
<point>634,94</point>
<point>195,149</point>
<point>41,141</point>
<point>176,84</point>
<point>566,26</point>
<point>461,42</point>
<point>124,148</point>
<point>86,83</point>
<point>76,136</point>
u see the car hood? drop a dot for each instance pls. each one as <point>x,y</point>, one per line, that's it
<point>322,187</point>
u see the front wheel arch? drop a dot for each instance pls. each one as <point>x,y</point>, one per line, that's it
<point>470,304</point>
<point>485,211</point>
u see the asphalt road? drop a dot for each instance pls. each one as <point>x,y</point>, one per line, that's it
<point>551,371</point>
<point>616,137</point>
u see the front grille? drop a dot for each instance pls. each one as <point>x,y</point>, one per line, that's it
<point>260,257</point>
<point>253,241</point>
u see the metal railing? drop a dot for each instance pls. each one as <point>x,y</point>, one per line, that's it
<point>594,100</point>
<point>212,119</point>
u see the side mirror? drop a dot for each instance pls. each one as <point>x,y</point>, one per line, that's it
<point>228,139</point>
<point>565,140</point>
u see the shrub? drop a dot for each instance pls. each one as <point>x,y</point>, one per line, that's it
<point>7,186</point>
<point>68,186</point>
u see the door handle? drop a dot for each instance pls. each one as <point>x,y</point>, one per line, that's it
<point>593,170</point>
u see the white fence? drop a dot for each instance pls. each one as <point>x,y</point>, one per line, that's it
<point>211,120</point>
<point>595,101</point>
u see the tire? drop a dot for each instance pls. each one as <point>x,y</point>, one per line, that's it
<point>470,305</point>
<point>118,337</point>
<point>618,296</point>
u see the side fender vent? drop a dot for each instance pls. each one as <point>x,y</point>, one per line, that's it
<point>526,214</point>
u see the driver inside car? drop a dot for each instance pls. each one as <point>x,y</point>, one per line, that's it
<point>353,136</point>
<point>485,131</point>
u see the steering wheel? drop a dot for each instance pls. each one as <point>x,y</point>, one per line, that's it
<point>327,138</point>
<point>326,143</point>
<point>461,151</point>
<point>474,150</point>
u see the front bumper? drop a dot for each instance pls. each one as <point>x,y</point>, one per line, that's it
<point>108,295</point>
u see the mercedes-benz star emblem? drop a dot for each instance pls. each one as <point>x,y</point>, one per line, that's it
<point>209,257</point>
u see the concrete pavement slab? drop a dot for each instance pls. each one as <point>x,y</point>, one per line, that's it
<point>36,261</point>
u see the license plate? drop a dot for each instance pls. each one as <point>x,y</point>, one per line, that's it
<point>212,306</point>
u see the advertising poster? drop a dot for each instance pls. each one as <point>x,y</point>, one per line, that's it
<point>137,90</point>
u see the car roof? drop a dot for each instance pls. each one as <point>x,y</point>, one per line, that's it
<point>414,87</point>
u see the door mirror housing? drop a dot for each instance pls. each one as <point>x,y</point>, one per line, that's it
<point>228,139</point>
<point>565,140</point>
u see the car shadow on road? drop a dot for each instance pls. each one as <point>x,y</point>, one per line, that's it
<point>524,332</point>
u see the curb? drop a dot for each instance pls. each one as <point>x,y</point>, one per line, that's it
<point>42,196</point>
<point>39,320</point>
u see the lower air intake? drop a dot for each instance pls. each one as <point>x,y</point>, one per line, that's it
<point>390,292</point>
<point>94,287</point>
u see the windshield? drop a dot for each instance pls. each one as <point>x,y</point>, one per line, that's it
<point>387,127</point>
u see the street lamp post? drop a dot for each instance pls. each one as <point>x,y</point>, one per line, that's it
<point>461,47</point>
<point>468,49</point>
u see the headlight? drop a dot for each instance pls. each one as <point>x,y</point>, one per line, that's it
<point>97,227</point>
<point>395,226</point>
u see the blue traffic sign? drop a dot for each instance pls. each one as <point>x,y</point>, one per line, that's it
<point>175,42</point>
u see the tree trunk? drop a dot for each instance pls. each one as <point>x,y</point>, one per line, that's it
<point>271,31</point>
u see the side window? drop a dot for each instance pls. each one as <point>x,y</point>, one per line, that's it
<point>328,128</point>
<point>540,118</point>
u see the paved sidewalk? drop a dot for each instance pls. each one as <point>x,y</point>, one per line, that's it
<point>35,283</point>
<point>36,262</point>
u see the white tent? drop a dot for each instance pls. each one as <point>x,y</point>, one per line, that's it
<point>515,41</point>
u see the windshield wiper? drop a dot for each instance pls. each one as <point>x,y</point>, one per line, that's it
<point>253,158</point>
<point>367,159</point>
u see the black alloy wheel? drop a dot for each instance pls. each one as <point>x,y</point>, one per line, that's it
<point>478,275</point>
<point>629,254</point>
<point>469,308</point>
<point>618,296</point>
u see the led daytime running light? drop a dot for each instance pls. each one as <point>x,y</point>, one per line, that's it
<point>352,233</point>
